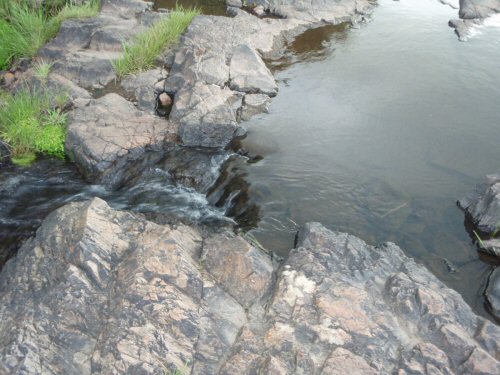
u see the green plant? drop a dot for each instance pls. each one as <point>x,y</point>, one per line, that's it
<point>25,27</point>
<point>141,53</point>
<point>42,69</point>
<point>30,124</point>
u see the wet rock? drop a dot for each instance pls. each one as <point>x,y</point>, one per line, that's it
<point>249,74</point>
<point>110,130</point>
<point>483,204</point>
<point>253,104</point>
<point>206,114</point>
<point>472,13</point>
<point>492,293</point>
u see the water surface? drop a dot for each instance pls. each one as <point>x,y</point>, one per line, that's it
<point>378,134</point>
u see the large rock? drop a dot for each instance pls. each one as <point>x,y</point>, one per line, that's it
<point>100,291</point>
<point>341,305</point>
<point>110,130</point>
<point>105,292</point>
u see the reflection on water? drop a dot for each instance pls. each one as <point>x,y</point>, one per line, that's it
<point>378,135</point>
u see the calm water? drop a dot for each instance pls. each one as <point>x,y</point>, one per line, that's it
<point>378,134</point>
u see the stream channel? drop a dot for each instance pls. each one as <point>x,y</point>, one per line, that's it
<point>376,131</point>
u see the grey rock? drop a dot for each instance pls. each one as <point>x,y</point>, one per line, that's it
<point>110,129</point>
<point>206,115</point>
<point>142,86</point>
<point>463,28</point>
<point>340,305</point>
<point>234,3</point>
<point>330,11</point>
<point>259,11</point>
<point>492,293</point>
<point>249,74</point>
<point>254,104</point>
<point>99,291</point>
<point>482,204</point>
<point>471,9</point>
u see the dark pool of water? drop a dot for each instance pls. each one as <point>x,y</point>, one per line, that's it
<point>378,134</point>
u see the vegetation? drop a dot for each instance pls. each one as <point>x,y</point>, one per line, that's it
<point>25,28</point>
<point>30,124</point>
<point>42,69</point>
<point>141,53</point>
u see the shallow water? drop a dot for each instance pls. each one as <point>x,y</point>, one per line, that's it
<point>378,134</point>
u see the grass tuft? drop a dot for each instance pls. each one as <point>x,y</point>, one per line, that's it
<point>25,28</point>
<point>141,53</point>
<point>42,69</point>
<point>30,124</point>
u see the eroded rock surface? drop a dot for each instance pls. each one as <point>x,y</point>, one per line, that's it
<point>493,293</point>
<point>100,291</point>
<point>108,131</point>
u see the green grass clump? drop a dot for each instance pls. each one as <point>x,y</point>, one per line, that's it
<point>42,69</point>
<point>141,53</point>
<point>30,124</point>
<point>25,28</point>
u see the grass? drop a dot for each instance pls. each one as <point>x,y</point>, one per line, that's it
<point>141,53</point>
<point>25,28</point>
<point>42,69</point>
<point>31,124</point>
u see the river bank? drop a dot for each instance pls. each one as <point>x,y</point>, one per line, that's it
<point>105,291</point>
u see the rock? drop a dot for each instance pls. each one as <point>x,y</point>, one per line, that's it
<point>164,99</point>
<point>341,305</point>
<point>110,131</point>
<point>492,293</point>
<point>105,292</point>
<point>334,12</point>
<point>472,13</point>
<point>471,9</point>
<point>99,291</point>
<point>259,11</point>
<point>142,86</point>
<point>159,86</point>
<point>206,114</point>
<point>249,74</point>
<point>482,205</point>
<point>241,269</point>
<point>253,104</point>
<point>8,78</point>
<point>234,3</point>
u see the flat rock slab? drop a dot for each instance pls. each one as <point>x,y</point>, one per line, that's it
<point>109,129</point>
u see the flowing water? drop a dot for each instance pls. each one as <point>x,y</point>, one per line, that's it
<point>376,131</point>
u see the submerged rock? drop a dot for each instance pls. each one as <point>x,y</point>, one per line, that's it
<point>100,291</point>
